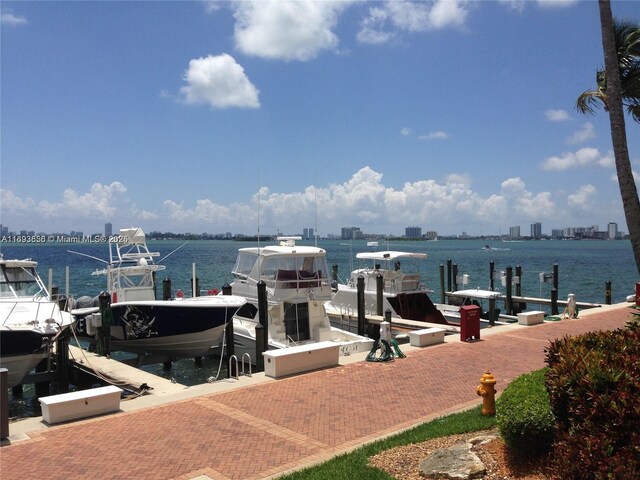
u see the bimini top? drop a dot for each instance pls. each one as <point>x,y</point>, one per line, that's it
<point>389,255</point>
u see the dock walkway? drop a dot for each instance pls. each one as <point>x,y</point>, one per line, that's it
<point>260,428</point>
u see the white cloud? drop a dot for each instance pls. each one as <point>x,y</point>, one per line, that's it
<point>584,157</point>
<point>383,22</point>
<point>405,132</point>
<point>587,132</point>
<point>448,205</point>
<point>286,30</point>
<point>220,82</point>
<point>556,3</point>
<point>583,198</point>
<point>8,18</point>
<point>557,115</point>
<point>438,135</point>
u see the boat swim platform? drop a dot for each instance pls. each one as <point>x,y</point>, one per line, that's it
<point>255,428</point>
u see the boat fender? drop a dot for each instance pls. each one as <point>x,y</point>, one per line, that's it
<point>213,291</point>
<point>179,294</point>
<point>114,297</point>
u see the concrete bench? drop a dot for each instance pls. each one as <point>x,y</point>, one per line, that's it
<point>302,358</point>
<point>426,336</point>
<point>80,404</point>
<point>533,317</point>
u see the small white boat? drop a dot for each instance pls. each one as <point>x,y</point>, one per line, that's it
<point>184,327</point>
<point>30,320</point>
<point>297,287</point>
<point>403,295</point>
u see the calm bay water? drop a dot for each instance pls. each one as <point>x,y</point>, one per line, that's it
<point>584,268</point>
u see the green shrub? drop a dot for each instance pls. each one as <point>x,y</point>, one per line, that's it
<point>594,386</point>
<point>524,415</point>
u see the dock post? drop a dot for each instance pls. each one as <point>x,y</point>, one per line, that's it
<point>555,276</point>
<point>518,306</point>
<point>62,361</point>
<point>195,287</point>
<point>509,301</point>
<point>230,340</point>
<point>492,311</point>
<point>262,329</point>
<point>554,301</point>
<point>166,289</point>
<point>607,293</point>
<point>449,275</point>
<point>442,299</point>
<point>360,297</point>
<point>492,269</point>
<point>379,293</point>
<point>54,292</point>
<point>334,273</point>
<point>455,276</point>
<point>4,403</point>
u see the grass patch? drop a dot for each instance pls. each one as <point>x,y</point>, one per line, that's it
<point>354,465</point>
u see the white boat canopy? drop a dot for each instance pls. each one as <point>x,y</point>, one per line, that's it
<point>476,293</point>
<point>389,255</point>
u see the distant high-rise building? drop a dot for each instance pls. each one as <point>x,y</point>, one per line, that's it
<point>431,235</point>
<point>536,230</point>
<point>413,232</point>
<point>514,232</point>
<point>108,229</point>
<point>612,229</point>
<point>350,233</point>
<point>307,233</point>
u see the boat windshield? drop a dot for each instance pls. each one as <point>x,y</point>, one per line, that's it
<point>18,282</point>
<point>244,264</point>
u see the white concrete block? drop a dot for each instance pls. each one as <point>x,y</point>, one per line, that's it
<point>302,358</point>
<point>533,317</point>
<point>80,404</point>
<point>426,336</point>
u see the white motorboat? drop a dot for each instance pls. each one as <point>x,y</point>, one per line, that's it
<point>184,327</point>
<point>403,293</point>
<point>297,287</point>
<point>30,320</point>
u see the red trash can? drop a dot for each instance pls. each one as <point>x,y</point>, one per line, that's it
<point>470,322</point>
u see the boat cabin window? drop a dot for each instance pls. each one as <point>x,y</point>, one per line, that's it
<point>21,280</point>
<point>244,264</point>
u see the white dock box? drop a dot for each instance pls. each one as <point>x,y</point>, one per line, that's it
<point>302,358</point>
<point>80,404</point>
<point>426,336</point>
<point>533,317</point>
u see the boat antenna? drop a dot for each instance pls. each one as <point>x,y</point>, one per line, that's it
<point>90,256</point>
<point>315,210</point>
<point>172,252</point>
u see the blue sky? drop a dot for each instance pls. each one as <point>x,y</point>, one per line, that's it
<point>225,116</point>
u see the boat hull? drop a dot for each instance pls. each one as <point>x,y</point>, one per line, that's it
<point>174,328</point>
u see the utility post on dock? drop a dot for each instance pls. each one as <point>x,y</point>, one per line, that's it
<point>455,276</point>
<point>442,295</point>
<point>166,289</point>
<point>449,275</point>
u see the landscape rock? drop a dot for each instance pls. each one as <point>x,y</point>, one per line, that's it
<point>456,463</point>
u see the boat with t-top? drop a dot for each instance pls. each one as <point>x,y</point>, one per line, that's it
<point>403,293</point>
<point>180,327</point>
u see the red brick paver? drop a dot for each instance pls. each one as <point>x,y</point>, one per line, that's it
<point>267,429</point>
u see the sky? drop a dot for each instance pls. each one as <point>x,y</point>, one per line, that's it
<point>274,116</point>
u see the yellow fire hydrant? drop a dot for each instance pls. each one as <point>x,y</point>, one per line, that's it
<point>487,390</point>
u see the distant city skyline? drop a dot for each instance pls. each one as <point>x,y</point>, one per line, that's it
<point>352,233</point>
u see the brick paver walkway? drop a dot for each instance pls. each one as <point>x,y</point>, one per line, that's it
<point>264,430</point>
